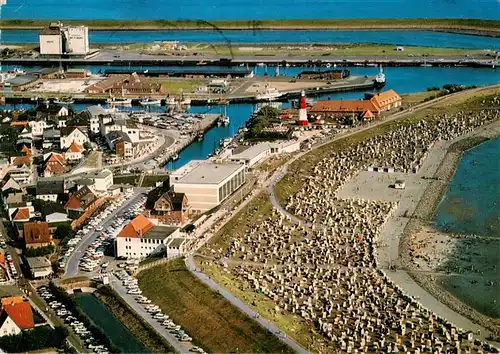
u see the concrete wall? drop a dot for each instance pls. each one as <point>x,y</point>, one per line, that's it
<point>51,44</point>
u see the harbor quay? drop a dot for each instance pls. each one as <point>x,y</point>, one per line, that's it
<point>125,58</point>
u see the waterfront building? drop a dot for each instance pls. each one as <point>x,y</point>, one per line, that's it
<point>57,40</point>
<point>325,75</point>
<point>252,155</point>
<point>207,184</point>
<point>126,84</point>
<point>368,108</point>
<point>141,238</point>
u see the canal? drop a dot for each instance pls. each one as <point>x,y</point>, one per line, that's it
<point>117,333</point>
<point>401,79</point>
<point>236,37</point>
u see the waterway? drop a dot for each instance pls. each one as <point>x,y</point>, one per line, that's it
<point>249,9</point>
<point>401,79</point>
<point>471,206</point>
<point>109,324</point>
<point>405,38</point>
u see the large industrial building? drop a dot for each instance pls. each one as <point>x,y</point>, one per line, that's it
<point>58,39</point>
<point>206,184</point>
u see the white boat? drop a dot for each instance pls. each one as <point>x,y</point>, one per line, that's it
<point>150,102</point>
<point>64,101</point>
<point>119,101</point>
<point>270,94</point>
<point>380,79</point>
<point>175,157</point>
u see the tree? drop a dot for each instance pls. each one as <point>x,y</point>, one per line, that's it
<point>63,231</point>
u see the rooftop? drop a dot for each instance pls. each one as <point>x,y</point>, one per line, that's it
<point>137,227</point>
<point>252,152</point>
<point>22,80</point>
<point>159,232</point>
<point>210,173</point>
<point>176,242</point>
<point>38,262</point>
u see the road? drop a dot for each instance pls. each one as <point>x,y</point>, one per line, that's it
<point>181,347</point>
<point>243,307</point>
<point>116,57</point>
<point>71,269</point>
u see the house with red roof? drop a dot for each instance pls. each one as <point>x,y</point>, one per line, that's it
<point>53,165</point>
<point>369,108</point>
<point>16,316</point>
<point>74,152</point>
<point>141,238</point>
<point>37,235</point>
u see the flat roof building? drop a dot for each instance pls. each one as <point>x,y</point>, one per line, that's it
<point>206,184</point>
<point>252,155</point>
<point>40,267</point>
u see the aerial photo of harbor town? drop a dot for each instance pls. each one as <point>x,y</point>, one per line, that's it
<point>249,177</point>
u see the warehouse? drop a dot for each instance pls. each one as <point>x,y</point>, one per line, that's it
<point>207,184</point>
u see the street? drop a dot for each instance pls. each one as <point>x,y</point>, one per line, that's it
<point>73,261</point>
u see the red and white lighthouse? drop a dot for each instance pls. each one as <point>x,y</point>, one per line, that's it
<point>303,110</point>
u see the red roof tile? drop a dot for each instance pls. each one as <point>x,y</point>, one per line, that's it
<point>344,106</point>
<point>137,227</point>
<point>22,160</point>
<point>21,214</point>
<point>36,232</point>
<point>21,314</point>
<point>74,147</point>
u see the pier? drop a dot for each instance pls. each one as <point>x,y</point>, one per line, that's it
<point>116,58</point>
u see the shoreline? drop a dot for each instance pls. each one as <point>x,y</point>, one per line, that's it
<point>464,26</point>
<point>423,217</point>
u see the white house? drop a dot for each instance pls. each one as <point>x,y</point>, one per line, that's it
<point>16,316</point>
<point>38,127</point>
<point>74,152</point>
<point>102,180</point>
<point>141,238</point>
<point>70,135</point>
<point>176,247</point>
<point>288,146</point>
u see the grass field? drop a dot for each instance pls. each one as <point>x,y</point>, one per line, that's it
<point>212,322</point>
<point>176,87</point>
<point>254,213</point>
<point>327,50</point>
<point>443,24</point>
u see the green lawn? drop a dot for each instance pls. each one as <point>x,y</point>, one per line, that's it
<point>212,322</point>
<point>176,87</point>
<point>328,50</point>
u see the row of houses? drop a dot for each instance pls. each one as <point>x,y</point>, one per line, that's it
<point>118,84</point>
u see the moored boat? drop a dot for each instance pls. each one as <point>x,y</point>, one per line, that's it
<point>150,102</point>
<point>116,101</point>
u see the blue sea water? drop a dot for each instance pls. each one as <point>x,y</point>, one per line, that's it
<point>471,204</point>
<point>249,9</point>
<point>405,38</point>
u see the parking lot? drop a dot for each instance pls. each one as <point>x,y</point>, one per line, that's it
<point>100,233</point>
<point>128,288</point>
